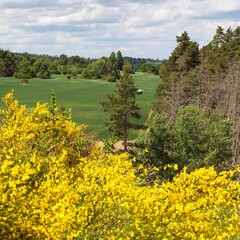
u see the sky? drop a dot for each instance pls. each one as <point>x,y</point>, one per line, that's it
<point>95,28</point>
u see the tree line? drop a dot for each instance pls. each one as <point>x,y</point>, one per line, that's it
<point>26,66</point>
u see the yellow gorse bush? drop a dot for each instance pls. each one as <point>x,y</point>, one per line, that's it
<point>52,187</point>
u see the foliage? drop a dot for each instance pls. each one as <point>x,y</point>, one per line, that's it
<point>27,65</point>
<point>128,67</point>
<point>95,69</point>
<point>201,77</point>
<point>108,145</point>
<point>110,78</point>
<point>138,62</point>
<point>119,59</point>
<point>207,78</point>
<point>194,140</point>
<point>72,66</point>
<point>171,92</point>
<point>8,63</point>
<point>153,146</point>
<point>25,69</point>
<point>41,67</point>
<point>201,140</point>
<point>50,190</point>
<point>105,68</point>
<point>24,81</point>
<point>48,129</point>
<point>149,68</point>
<point>122,106</point>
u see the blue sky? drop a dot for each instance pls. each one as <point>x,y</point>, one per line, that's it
<point>95,28</point>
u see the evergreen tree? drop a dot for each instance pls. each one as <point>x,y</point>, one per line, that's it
<point>218,38</point>
<point>112,58</point>
<point>123,106</point>
<point>174,84</point>
<point>119,60</point>
<point>112,66</point>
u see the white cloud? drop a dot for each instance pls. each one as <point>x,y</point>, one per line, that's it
<point>93,28</point>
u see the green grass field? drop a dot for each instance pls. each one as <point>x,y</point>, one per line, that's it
<point>81,95</point>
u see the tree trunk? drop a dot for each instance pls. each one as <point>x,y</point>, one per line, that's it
<point>125,134</point>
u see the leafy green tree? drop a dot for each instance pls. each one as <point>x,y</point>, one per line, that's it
<point>41,67</point>
<point>102,68</point>
<point>97,69</point>
<point>112,71</point>
<point>201,140</point>
<point>8,63</point>
<point>2,67</point>
<point>25,69</point>
<point>53,68</point>
<point>236,42</point>
<point>122,106</point>
<point>194,140</point>
<point>62,62</point>
<point>63,59</point>
<point>72,70</point>
<point>75,65</point>
<point>209,79</point>
<point>149,68</point>
<point>153,146</point>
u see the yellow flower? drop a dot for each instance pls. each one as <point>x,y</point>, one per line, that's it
<point>50,191</point>
<point>15,170</point>
<point>4,198</point>
<point>175,166</point>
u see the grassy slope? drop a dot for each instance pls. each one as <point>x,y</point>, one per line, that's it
<point>81,95</point>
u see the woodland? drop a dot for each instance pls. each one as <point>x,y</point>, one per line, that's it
<point>27,66</point>
<point>179,179</point>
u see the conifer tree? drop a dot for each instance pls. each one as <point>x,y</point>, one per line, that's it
<point>122,106</point>
<point>173,87</point>
<point>119,60</point>
<point>112,66</point>
<point>112,58</point>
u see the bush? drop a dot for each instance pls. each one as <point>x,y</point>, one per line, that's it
<point>110,78</point>
<point>149,68</point>
<point>23,75</point>
<point>193,140</point>
<point>53,186</point>
<point>24,81</point>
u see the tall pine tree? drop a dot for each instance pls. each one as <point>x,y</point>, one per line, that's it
<point>122,106</point>
<point>119,60</point>
<point>174,85</point>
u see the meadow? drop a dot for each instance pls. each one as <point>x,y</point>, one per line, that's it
<point>81,95</point>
